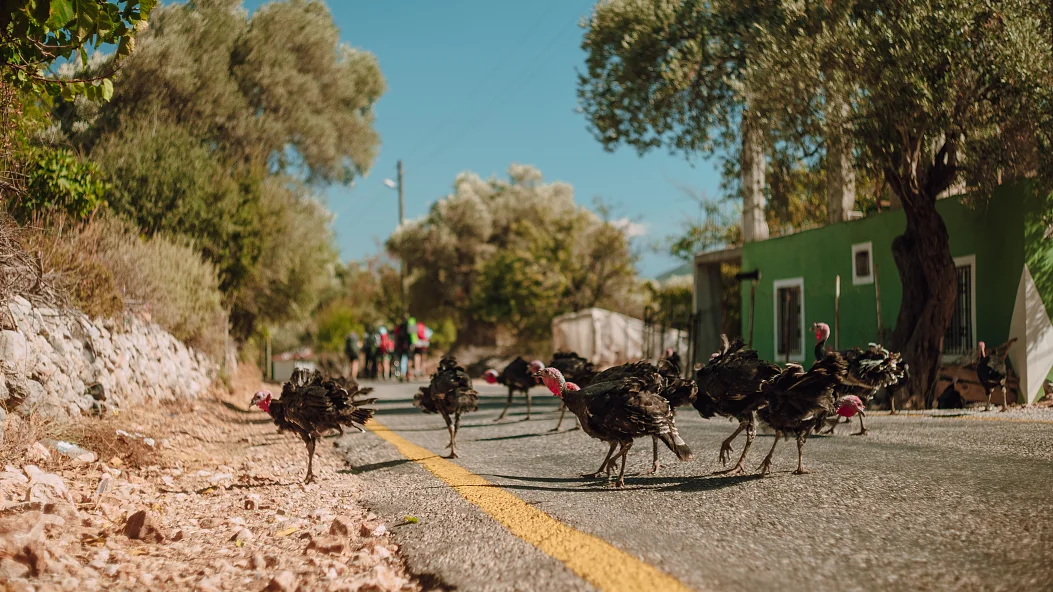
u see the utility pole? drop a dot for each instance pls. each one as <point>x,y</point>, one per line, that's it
<point>402,201</point>
<point>402,219</point>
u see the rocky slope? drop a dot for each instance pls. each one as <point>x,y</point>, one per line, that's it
<point>60,364</point>
<point>218,504</point>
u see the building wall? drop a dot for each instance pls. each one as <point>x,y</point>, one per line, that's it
<point>993,232</point>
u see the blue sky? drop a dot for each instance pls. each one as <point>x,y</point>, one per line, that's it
<point>478,84</point>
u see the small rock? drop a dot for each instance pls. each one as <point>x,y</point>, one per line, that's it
<point>178,536</point>
<point>341,527</point>
<point>37,453</point>
<point>12,570</point>
<point>258,562</point>
<point>242,535</point>
<point>327,544</point>
<point>146,580</point>
<point>369,528</point>
<point>142,525</point>
<point>284,581</point>
<point>105,485</point>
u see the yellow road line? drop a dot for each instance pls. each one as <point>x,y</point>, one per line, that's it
<point>595,560</point>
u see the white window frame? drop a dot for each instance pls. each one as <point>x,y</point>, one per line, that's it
<point>869,278</point>
<point>963,261</point>
<point>776,285</point>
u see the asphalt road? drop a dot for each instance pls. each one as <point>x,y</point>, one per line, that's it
<point>922,503</point>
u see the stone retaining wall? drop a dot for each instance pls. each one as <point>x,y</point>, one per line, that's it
<point>61,364</point>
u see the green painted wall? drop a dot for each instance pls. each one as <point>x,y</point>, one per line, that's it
<point>993,232</point>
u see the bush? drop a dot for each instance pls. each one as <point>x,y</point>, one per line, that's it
<point>59,183</point>
<point>106,268</point>
<point>335,321</point>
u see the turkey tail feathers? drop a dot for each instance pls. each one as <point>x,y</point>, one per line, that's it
<point>675,443</point>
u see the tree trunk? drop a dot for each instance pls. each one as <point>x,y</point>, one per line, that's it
<point>840,160</point>
<point>754,226</point>
<point>926,269</point>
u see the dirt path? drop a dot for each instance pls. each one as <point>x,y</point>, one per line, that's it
<point>217,503</point>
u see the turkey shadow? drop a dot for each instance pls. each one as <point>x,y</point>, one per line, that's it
<point>711,482</point>
<point>636,481</point>
<point>373,467</point>
<point>234,407</point>
<point>517,436</point>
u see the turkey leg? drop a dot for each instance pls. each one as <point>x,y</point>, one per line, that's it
<point>862,424</point>
<point>449,428</point>
<point>751,433</point>
<point>625,454</point>
<point>605,466</point>
<point>562,412</point>
<point>765,466</point>
<point>527,393</point>
<point>800,454</point>
<point>310,460</point>
<point>725,447</point>
<point>507,405</point>
<point>453,435</point>
<point>1005,402</point>
<point>654,463</point>
<point>987,407</point>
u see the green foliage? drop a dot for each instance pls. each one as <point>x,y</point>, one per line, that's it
<point>941,92</point>
<point>277,90</point>
<point>661,74</point>
<point>444,334</point>
<point>166,180</point>
<point>297,259</point>
<point>517,250</point>
<point>60,183</point>
<point>34,34</point>
<point>334,323</point>
<point>516,291</point>
<point>672,301</point>
<point>222,128</point>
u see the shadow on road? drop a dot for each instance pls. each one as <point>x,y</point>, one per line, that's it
<point>516,437</point>
<point>632,482</point>
<point>374,467</point>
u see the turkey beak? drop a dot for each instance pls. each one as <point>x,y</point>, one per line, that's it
<point>251,405</point>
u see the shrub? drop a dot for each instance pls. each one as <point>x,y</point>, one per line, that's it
<point>335,321</point>
<point>106,268</point>
<point>59,183</point>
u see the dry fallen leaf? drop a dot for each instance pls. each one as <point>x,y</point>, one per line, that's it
<point>286,532</point>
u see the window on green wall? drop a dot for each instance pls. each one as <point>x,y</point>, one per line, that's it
<point>961,334</point>
<point>862,263</point>
<point>789,319</point>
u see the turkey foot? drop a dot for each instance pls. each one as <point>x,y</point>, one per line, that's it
<point>725,451</point>
<point>765,466</point>
<point>735,470</point>
<point>606,467</point>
